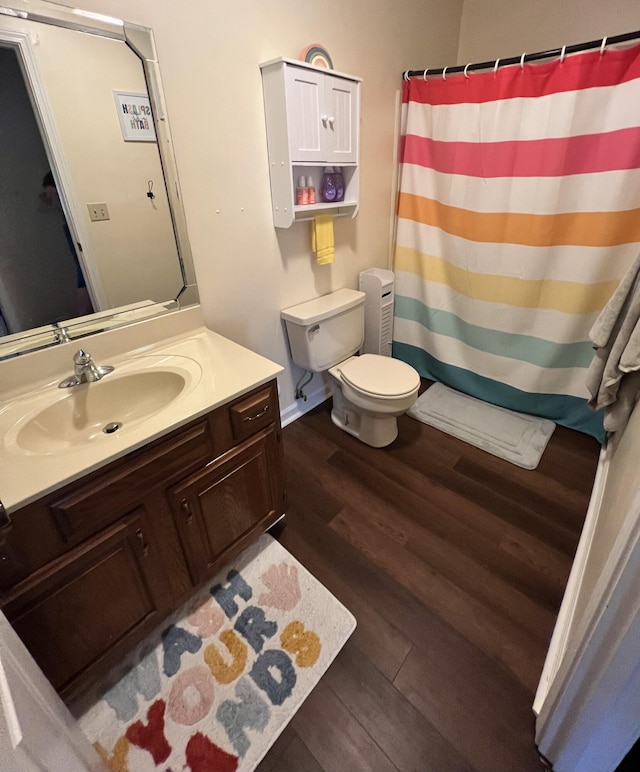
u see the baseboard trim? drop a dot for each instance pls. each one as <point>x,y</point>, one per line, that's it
<point>300,407</point>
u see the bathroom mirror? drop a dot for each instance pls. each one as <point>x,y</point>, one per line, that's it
<point>93,229</point>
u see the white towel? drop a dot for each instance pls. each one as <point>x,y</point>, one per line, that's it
<point>613,378</point>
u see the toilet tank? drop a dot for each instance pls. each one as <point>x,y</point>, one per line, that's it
<point>325,330</point>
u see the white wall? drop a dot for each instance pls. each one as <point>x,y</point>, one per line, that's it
<point>105,168</point>
<point>500,28</point>
<point>209,52</point>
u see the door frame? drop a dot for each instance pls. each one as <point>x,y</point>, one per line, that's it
<point>588,699</point>
<point>37,731</point>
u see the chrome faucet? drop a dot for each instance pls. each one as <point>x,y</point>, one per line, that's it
<point>85,370</point>
<point>61,334</point>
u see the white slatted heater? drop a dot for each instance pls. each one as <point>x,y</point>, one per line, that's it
<point>377,285</point>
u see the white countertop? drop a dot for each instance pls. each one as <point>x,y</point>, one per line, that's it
<point>226,370</point>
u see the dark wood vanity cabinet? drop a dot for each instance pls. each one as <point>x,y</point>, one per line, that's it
<point>88,571</point>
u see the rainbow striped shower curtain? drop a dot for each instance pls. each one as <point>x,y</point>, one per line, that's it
<point>518,214</point>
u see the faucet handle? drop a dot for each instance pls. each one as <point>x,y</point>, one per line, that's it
<point>86,371</point>
<point>81,357</point>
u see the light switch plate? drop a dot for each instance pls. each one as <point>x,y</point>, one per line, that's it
<point>98,212</point>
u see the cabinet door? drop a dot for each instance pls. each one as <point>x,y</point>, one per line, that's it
<point>81,606</point>
<point>322,115</point>
<point>220,508</point>
<point>305,100</point>
<point>341,123</point>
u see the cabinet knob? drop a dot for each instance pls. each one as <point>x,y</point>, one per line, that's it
<point>331,120</point>
<point>187,511</point>
<point>324,118</point>
<point>143,543</point>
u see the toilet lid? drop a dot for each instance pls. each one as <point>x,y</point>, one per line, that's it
<point>380,376</point>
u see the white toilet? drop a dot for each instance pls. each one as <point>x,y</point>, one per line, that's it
<point>369,391</point>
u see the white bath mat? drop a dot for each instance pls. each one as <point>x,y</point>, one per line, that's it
<point>516,437</point>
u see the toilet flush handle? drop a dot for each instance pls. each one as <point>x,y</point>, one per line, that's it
<point>313,329</point>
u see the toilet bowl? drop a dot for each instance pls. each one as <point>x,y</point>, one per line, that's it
<point>369,393</point>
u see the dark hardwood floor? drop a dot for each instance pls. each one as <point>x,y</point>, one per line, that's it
<point>454,564</point>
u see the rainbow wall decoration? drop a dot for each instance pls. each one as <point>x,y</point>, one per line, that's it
<point>518,214</point>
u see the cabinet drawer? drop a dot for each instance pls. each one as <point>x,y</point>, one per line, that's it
<point>94,506</point>
<point>253,413</point>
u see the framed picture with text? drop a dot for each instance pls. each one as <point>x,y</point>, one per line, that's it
<point>134,114</point>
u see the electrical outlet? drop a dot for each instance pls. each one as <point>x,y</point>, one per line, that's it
<point>98,212</point>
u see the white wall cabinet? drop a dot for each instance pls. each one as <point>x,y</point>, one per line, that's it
<point>322,116</point>
<point>313,120</point>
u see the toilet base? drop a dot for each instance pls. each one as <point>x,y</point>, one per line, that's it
<point>376,431</point>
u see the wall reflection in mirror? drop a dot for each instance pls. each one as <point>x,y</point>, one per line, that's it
<point>88,221</point>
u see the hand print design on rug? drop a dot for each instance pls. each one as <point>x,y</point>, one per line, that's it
<point>215,688</point>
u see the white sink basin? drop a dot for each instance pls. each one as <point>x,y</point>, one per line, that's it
<point>67,419</point>
<point>215,371</point>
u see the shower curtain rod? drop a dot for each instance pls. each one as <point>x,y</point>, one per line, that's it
<point>495,63</point>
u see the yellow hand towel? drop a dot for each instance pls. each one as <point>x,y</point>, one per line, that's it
<point>322,238</point>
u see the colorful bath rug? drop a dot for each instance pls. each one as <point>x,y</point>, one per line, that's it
<point>516,437</point>
<point>220,682</point>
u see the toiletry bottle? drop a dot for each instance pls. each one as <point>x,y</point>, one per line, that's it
<point>338,181</point>
<point>302,194</point>
<point>327,186</point>
<point>311,190</point>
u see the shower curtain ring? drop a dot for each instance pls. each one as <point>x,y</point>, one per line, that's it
<point>602,47</point>
<point>495,68</point>
<point>522,61</point>
<point>563,54</point>
<point>405,75</point>
<point>444,74</point>
<point>466,67</point>
<point>424,74</point>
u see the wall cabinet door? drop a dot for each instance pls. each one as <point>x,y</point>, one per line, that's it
<point>341,100</point>
<point>82,605</point>
<point>220,507</point>
<point>323,117</point>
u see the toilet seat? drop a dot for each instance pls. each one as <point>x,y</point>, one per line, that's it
<point>380,376</point>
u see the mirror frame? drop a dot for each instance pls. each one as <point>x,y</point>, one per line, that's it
<point>140,40</point>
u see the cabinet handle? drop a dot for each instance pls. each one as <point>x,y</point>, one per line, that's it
<point>5,525</point>
<point>5,518</point>
<point>255,417</point>
<point>143,544</point>
<point>187,511</point>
